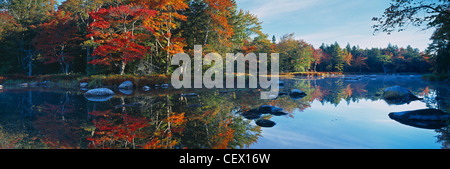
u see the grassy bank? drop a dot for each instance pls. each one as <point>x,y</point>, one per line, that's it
<point>74,80</point>
<point>115,80</point>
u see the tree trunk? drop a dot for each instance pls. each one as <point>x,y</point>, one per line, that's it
<point>384,69</point>
<point>122,68</point>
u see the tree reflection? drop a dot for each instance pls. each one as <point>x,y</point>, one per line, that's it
<point>174,119</point>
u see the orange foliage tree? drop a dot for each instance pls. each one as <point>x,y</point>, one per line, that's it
<point>165,21</point>
<point>219,12</point>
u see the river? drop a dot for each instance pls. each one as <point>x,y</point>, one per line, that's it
<point>339,112</point>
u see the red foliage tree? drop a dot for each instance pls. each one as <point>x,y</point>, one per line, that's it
<point>115,29</point>
<point>55,40</point>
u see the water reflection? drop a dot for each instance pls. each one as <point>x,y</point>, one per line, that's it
<point>205,119</point>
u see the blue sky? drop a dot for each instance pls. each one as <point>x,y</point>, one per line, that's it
<point>328,21</point>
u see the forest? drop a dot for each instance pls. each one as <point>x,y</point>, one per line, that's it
<point>92,37</point>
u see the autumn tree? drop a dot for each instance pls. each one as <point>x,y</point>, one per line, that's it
<point>54,40</point>
<point>318,56</point>
<point>80,11</point>
<point>359,62</point>
<point>219,12</point>
<point>27,15</point>
<point>167,19</point>
<point>116,31</point>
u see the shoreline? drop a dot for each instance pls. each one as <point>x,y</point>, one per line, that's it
<point>94,81</point>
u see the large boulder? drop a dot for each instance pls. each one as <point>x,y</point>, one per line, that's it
<point>424,118</point>
<point>252,114</point>
<point>99,95</point>
<point>264,109</point>
<point>297,94</point>
<point>398,95</point>
<point>126,85</point>
<point>265,123</point>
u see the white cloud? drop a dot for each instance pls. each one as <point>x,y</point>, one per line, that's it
<point>275,9</point>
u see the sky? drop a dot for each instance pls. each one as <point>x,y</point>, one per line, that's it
<point>329,21</point>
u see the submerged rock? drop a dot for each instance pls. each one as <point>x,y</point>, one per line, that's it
<point>278,112</point>
<point>264,109</point>
<point>23,85</point>
<point>190,95</point>
<point>146,88</point>
<point>126,91</point>
<point>352,79</point>
<point>267,109</point>
<point>99,95</point>
<point>252,114</point>
<point>265,123</point>
<point>297,94</point>
<point>165,86</point>
<point>398,95</point>
<point>83,85</point>
<point>424,118</point>
<point>126,85</point>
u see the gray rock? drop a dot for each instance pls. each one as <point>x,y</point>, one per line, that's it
<point>126,85</point>
<point>424,118</point>
<point>297,94</point>
<point>126,91</point>
<point>265,109</point>
<point>190,95</point>
<point>83,85</point>
<point>99,95</point>
<point>265,123</point>
<point>398,95</point>
<point>252,114</point>
<point>146,88</point>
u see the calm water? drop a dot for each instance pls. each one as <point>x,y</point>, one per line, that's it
<point>336,113</point>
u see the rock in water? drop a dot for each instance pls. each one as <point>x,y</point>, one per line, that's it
<point>126,85</point>
<point>297,94</point>
<point>252,114</point>
<point>398,95</point>
<point>24,85</point>
<point>99,95</point>
<point>265,123</point>
<point>83,85</point>
<point>265,109</point>
<point>165,86</point>
<point>424,118</point>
